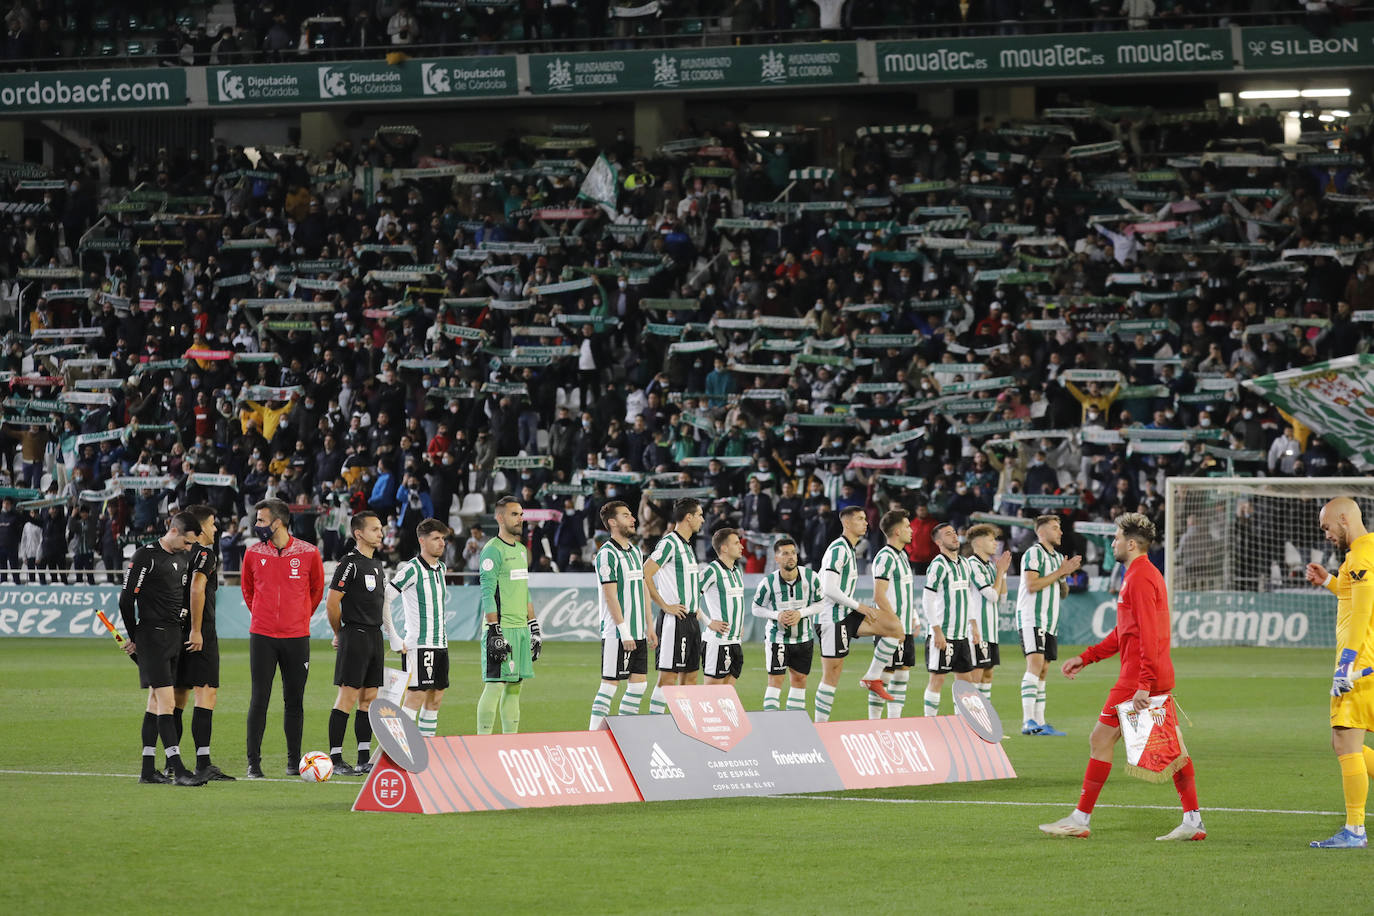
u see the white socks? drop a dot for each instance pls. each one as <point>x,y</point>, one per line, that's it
<point>1040,701</point>
<point>897,687</point>
<point>1030,693</point>
<point>932,702</point>
<point>883,651</point>
<point>629,703</point>
<point>772,699</point>
<point>825,698</point>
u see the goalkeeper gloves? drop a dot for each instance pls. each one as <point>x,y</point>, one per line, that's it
<point>1342,682</point>
<point>497,647</point>
<point>536,640</point>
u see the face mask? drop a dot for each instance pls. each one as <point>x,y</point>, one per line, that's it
<point>1205,421</point>
<point>1247,414</point>
<point>612,492</point>
<point>929,453</point>
<point>1093,415</point>
<point>772,294</point>
<point>263,532</point>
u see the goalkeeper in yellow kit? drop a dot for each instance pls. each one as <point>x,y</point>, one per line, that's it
<point>1352,697</point>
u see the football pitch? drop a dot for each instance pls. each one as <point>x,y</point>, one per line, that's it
<point>83,836</point>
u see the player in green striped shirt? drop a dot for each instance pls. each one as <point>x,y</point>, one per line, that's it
<point>512,641</point>
<point>424,596</point>
<point>987,588</point>
<point>626,635</point>
<point>788,599</point>
<point>674,583</point>
<point>722,607</point>
<point>946,606</point>
<point>1042,587</point>
<point>894,590</point>
<point>848,618</point>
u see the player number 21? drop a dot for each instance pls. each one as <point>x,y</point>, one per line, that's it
<point>429,665</point>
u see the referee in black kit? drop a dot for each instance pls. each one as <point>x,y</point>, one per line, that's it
<point>152,605</point>
<point>356,603</point>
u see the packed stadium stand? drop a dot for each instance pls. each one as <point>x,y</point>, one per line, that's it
<point>970,315</point>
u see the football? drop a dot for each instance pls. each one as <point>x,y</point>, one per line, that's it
<point>316,767</point>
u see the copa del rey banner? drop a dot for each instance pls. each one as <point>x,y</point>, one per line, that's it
<point>1334,398</point>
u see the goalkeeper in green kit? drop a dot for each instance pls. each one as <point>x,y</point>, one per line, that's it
<point>511,638</point>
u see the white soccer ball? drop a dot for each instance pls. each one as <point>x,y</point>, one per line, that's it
<point>316,767</point>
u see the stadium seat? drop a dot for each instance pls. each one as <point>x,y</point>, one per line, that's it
<point>474,505</point>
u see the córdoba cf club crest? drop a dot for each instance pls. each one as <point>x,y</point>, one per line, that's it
<point>1154,750</point>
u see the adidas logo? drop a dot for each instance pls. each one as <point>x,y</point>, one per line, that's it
<point>661,766</point>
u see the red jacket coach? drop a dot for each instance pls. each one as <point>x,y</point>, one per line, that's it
<point>283,582</point>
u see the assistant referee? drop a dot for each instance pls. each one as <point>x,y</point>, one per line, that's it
<point>282,582</point>
<point>152,606</point>
<point>357,598</point>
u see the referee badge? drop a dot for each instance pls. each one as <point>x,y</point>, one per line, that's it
<point>370,581</point>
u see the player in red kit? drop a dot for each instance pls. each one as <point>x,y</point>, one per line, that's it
<point>1141,638</point>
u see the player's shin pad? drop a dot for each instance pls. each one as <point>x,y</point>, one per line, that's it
<point>1154,751</point>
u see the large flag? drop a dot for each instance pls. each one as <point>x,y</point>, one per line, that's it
<point>1334,398</point>
<point>602,185</point>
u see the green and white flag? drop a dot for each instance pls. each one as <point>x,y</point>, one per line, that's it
<point>601,185</point>
<point>885,444</point>
<point>1333,398</point>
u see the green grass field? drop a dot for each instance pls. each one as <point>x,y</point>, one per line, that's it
<point>94,840</point>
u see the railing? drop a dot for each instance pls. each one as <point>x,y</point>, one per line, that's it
<point>696,31</point>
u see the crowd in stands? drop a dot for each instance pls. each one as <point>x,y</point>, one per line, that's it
<point>989,319</point>
<point>41,33</point>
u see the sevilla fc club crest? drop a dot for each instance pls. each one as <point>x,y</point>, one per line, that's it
<point>977,712</point>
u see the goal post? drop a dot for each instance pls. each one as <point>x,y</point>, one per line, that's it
<point>1235,554</point>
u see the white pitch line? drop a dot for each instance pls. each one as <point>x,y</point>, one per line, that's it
<point>1020,804</point>
<point>132,776</point>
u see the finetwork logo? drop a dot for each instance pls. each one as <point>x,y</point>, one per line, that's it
<point>332,84</point>
<point>661,766</point>
<point>230,86</point>
<point>434,79</point>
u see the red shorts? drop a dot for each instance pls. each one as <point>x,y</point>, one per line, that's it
<point>1119,694</point>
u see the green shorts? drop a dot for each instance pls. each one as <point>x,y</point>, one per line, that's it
<point>518,666</point>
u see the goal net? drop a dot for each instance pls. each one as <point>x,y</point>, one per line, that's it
<point>1235,554</point>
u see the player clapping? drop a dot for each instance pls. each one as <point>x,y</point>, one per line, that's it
<point>1352,697</point>
<point>945,602</point>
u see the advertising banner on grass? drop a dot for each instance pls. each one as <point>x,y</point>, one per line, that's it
<point>503,772</point>
<point>781,753</point>
<point>872,754</point>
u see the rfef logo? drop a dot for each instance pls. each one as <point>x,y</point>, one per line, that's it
<point>389,789</point>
